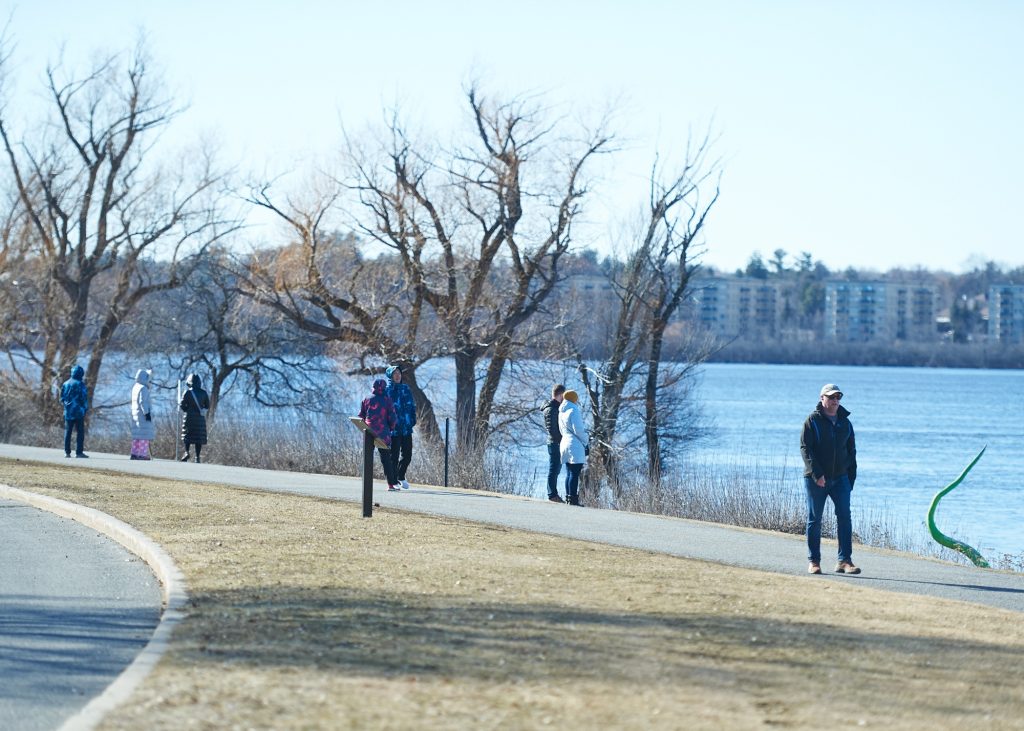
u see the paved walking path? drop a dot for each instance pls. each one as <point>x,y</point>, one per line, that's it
<point>690,539</point>
<point>75,610</point>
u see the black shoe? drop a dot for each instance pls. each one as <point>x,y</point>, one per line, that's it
<point>185,458</point>
<point>197,459</point>
<point>134,457</point>
<point>555,499</point>
<point>573,499</point>
<point>82,455</point>
<point>67,455</point>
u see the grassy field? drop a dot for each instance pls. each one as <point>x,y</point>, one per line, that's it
<point>305,615</point>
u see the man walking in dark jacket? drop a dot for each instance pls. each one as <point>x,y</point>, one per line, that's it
<point>829,452</point>
<point>554,439</point>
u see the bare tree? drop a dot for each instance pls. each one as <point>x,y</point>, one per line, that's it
<point>97,204</point>
<point>211,328</point>
<point>651,286</point>
<point>323,285</point>
<point>474,246</point>
<point>480,231</point>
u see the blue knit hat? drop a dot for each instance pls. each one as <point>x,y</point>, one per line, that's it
<point>390,371</point>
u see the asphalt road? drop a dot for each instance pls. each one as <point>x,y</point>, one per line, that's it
<point>75,610</point>
<point>738,547</point>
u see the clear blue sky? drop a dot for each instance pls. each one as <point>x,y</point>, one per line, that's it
<point>871,134</point>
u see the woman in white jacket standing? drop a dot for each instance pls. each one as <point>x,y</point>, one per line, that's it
<point>143,431</point>
<point>574,446</point>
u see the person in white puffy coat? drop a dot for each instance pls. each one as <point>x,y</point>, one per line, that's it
<point>575,444</point>
<point>143,431</point>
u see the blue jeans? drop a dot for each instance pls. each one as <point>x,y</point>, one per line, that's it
<point>839,489</point>
<point>554,467</point>
<point>572,482</point>
<point>79,426</point>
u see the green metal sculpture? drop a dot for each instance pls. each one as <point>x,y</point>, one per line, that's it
<point>976,558</point>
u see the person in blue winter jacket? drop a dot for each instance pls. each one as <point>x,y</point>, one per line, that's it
<point>75,398</point>
<point>401,435</point>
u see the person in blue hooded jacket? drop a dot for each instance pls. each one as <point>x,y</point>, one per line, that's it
<point>401,435</point>
<point>75,397</point>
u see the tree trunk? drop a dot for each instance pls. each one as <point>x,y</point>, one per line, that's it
<point>465,401</point>
<point>651,419</point>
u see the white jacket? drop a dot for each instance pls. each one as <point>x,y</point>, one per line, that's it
<point>142,429</point>
<point>574,433</point>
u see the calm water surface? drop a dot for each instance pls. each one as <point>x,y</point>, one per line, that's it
<point>917,428</point>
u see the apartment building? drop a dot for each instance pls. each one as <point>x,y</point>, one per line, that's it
<point>879,312</point>
<point>1006,313</point>
<point>731,307</point>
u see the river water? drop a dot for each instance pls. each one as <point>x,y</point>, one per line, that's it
<point>917,428</point>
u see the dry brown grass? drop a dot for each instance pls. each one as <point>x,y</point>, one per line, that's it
<point>306,615</point>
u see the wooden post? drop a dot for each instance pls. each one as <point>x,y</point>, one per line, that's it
<point>367,474</point>
<point>369,441</point>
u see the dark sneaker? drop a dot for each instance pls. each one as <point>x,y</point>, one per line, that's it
<point>814,567</point>
<point>393,488</point>
<point>845,567</point>
<point>82,455</point>
<point>67,455</point>
<point>185,458</point>
<point>555,499</point>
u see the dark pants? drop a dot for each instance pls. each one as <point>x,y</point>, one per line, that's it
<point>79,425</point>
<point>388,465</point>
<point>572,483</point>
<point>554,467</point>
<point>401,454</point>
<point>198,448</point>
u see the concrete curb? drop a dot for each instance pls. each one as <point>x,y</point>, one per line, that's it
<point>175,596</point>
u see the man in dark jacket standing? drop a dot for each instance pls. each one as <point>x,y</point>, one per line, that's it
<point>829,452</point>
<point>554,439</point>
<point>75,398</point>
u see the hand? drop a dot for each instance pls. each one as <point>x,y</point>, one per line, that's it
<point>586,450</point>
<point>820,482</point>
<point>149,417</point>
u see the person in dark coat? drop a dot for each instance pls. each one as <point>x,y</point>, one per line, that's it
<point>401,436</point>
<point>829,451</point>
<point>378,412</point>
<point>74,395</point>
<point>194,402</point>
<point>550,412</point>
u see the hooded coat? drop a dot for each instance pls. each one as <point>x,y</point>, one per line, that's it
<point>74,395</point>
<point>378,411</point>
<point>194,402</point>
<point>405,407</point>
<point>574,433</point>
<point>142,410</point>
